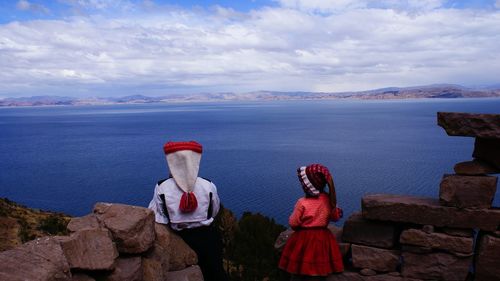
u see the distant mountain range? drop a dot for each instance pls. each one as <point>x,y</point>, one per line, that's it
<point>430,91</point>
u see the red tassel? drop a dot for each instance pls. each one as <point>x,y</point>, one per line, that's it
<point>188,202</point>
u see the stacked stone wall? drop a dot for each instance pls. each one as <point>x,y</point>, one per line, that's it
<point>453,237</point>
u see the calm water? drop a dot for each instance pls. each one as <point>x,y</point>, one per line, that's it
<point>68,158</point>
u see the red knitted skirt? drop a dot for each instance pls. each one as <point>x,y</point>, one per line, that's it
<point>312,252</point>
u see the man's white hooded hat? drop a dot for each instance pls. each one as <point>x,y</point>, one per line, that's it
<point>183,160</point>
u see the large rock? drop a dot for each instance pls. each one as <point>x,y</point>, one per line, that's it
<point>367,272</point>
<point>132,227</point>
<point>346,276</point>
<point>461,232</point>
<point>416,249</point>
<point>129,268</point>
<point>371,233</point>
<point>354,276</point>
<point>488,259</point>
<point>441,241</point>
<point>474,168</point>
<point>421,210</point>
<point>374,258</point>
<point>181,255</point>
<point>470,125</point>
<point>192,273</point>
<point>81,223</point>
<point>467,191</point>
<point>488,150</point>
<point>435,266</point>
<point>39,260</point>
<point>156,262</point>
<point>163,233</point>
<point>81,277</point>
<point>90,249</point>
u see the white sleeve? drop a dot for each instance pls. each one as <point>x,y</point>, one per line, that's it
<point>157,205</point>
<point>215,201</point>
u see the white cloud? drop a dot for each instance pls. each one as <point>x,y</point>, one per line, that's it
<point>337,6</point>
<point>169,50</point>
<point>24,5</point>
<point>321,5</point>
<point>94,4</point>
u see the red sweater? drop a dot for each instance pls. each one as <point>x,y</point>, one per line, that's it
<point>311,212</point>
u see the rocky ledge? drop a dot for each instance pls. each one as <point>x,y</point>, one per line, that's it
<point>116,242</point>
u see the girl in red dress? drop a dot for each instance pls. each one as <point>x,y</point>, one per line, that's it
<point>312,249</point>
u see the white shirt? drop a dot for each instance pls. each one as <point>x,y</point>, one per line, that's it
<point>172,194</point>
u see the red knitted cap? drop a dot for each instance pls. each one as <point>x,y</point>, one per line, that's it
<point>318,175</point>
<point>171,146</point>
<point>313,178</point>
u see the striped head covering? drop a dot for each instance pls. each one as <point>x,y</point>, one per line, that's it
<point>313,178</point>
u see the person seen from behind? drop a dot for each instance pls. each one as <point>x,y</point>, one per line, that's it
<point>188,204</point>
<point>312,249</point>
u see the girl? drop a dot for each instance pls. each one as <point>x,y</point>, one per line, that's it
<point>312,249</point>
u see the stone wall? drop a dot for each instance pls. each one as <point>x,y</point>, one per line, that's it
<point>453,237</point>
<point>116,242</point>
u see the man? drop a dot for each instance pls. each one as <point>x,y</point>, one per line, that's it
<point>189,204</point>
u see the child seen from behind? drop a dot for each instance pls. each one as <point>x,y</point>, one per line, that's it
<point>312,250</point>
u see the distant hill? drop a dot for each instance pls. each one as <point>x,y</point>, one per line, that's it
<point>445,91</point>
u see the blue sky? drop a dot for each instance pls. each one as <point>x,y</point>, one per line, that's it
<point>11,10</point>
<point>121,47</point>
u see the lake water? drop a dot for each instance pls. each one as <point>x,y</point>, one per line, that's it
<point>67,158</point>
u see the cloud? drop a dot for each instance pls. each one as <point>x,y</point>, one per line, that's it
<point>322,6</point>
<point>94,4</point>
<point>24,5</point>
<point>161,50</point>
<point>497,4</point>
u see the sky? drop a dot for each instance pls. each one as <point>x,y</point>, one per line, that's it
<point>98,48</point>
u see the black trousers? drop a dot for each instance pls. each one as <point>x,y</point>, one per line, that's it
<point>206,241</point>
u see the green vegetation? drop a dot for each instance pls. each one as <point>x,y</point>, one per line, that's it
<point>53,225</point>
<point>25,233</point>
<point>249,246</point>
<point>32,223</point>
<point>5,207</point>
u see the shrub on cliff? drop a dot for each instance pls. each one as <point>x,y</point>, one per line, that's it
<point>53,224</point>
<point>23,224</point>
<point>249,246</point>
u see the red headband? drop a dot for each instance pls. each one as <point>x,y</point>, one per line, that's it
<point>171,146</point>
